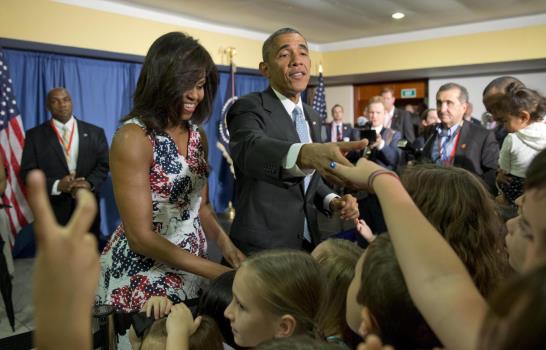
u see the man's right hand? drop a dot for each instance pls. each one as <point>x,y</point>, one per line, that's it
<point>65,184</point>
<point>319,156</point>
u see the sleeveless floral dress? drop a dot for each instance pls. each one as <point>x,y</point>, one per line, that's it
<point>127,278</point>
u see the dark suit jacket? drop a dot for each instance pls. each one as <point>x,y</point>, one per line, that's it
<point>270,204</point>
<point>477,151</point>
<point>346,131</point>
<point>43,151</point>
<point>401,121</point>
<point>389,155</point>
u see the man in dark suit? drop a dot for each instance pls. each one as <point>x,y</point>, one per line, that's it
<point>274,146</point>
<point>397,119</point>
<point>337,130</point>
<point>73,154</point>
<point>459,143</point>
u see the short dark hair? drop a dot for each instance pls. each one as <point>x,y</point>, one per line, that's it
<point>535,177</point>
<point>424,115</point>
<point>268,43</point>
<point>173,65</point>
<point>501,83</point>
<point>336,105</point>
<point>384,292</point>
<point>515,100</point>
<point>463,92</point>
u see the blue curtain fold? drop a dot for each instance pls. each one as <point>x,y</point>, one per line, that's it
<point>101,93</point>
<point>220,180</point>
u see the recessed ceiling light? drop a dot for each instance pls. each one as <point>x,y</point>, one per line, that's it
<point>398,15</point>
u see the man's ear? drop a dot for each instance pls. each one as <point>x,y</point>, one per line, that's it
<point>264,69</point>
<point>286,326</point>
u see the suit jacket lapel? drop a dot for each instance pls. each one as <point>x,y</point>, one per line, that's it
<point>461,145</point>
<point>281,118</point>
<point>53,142</point>
<point>314,126</point>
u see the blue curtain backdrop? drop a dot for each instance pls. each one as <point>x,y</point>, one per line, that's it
<point>101,93</point>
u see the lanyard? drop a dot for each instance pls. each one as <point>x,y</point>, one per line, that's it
<point>449,161</point>
<point>65,146</point>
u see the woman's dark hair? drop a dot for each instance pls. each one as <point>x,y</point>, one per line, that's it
<point>516,100</point>
<point>173,65</point>
<point>214,301</point>
<point>517,314</point>
<point>457,204</point>
<point>384,292</point>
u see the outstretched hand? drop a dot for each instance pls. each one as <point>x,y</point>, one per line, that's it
<point>373,342</point>
<point>346,206</point>
<point>319,156</point>
<point>66,270</point>
<point>355,176</point>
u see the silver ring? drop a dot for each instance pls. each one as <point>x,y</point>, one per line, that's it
<point>333,165</point>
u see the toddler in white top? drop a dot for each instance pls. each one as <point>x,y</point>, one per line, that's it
<point>522,111</point>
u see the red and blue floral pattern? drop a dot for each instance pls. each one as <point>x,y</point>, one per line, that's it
<point>128,279</point>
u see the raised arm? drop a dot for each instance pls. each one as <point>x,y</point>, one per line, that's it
<point>130,160</point>
<point>436,278</point>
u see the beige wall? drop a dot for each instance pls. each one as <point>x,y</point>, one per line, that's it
<point>343,95</point>
<point>55,23</point>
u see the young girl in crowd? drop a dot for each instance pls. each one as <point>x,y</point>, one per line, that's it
<point>437,279</point>
<point>385,306</point>
<point>337,259</point>
<point>458,205</point>
<point>276,294</point>
<point>521,110</point>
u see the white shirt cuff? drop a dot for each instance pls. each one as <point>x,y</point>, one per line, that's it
<point>54,190</point>
<point>326,201</point>
<point>289,162</point>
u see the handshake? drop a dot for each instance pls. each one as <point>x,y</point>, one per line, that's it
<point>71,184</point>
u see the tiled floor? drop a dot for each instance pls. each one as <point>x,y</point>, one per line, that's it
<point>22,300</point>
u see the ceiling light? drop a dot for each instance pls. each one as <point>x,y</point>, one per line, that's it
<point>398,15</point>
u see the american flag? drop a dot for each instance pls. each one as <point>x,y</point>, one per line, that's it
<point>12,137</point>
<point>319,100</point>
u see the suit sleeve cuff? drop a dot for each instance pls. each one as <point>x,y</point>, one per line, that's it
<point>54,189</point>
<point>289,162</point>
<point>326,202</point>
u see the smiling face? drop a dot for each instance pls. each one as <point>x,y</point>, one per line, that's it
<point>287,66</point>
<point>192,98</point>
<point>250,323</point>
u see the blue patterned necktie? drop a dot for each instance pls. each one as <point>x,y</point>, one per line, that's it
<point>339,137</point>
<point>301,128</point>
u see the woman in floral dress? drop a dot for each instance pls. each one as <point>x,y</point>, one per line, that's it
<point>159,174</point>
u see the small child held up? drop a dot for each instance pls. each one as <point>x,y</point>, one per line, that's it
<point>522,111</point>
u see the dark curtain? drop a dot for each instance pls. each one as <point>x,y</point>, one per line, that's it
<point>101,93</point>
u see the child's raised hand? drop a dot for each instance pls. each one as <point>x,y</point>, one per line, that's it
<point>181,321</point>
<point>159,306</point>
<point>66,269</point>
<point>364,230</point>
